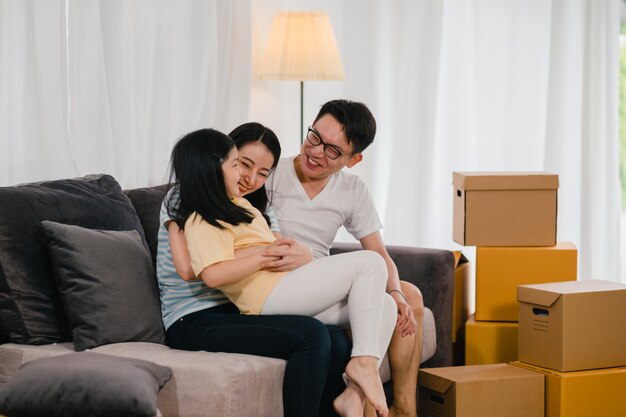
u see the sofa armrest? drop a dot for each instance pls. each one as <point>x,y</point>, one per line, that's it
<point>432,271</point>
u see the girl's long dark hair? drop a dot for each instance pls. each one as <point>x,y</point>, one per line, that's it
<point>196,173</point>
<point>256,132</point>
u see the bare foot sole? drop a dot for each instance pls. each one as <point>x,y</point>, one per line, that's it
<point>351,401</point>
<point>364,372</point>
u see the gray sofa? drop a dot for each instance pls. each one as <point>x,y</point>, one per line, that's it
<point>203,383</point>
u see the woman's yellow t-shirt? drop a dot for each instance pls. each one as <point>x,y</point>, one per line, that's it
<point>209,245</point>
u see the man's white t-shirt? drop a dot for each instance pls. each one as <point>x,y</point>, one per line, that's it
<point>345,201</point>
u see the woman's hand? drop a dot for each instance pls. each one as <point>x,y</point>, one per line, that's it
<point>291,254</point>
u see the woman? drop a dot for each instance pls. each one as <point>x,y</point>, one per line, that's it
<point>228,238</point>
<point>199,318</point>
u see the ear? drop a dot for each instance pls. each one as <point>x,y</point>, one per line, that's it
<point>354,159</point>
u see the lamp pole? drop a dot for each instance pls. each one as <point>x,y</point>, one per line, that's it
<point>301,112</point>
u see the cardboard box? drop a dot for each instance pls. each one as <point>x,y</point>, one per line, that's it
<point>600,392</point>
<point>463,287</point>
<point>505,209</point>
<point>573,326</point>
<point>490,342</point>
<point>499,270</point>
<point>480,391</point>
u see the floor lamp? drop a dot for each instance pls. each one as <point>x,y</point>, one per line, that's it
<point>302,47</point>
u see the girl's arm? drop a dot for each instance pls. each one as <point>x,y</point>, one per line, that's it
<point>250,250</point>
<point>213,257</point>
<point>180,254</point>
<point>232,270</point>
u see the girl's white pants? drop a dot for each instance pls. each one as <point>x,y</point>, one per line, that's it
<point>345,289</point>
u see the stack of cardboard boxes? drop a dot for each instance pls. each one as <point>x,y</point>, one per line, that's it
<point>570,334</point>
<point>574,333</point>
<point>511,218</point>
<point>491,335</point>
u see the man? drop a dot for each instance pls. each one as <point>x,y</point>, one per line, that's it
<point>313,197</point>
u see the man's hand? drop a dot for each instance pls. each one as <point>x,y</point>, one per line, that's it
<point>291,253</point>
<point>405,323</point>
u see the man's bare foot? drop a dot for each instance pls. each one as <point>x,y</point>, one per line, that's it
<point>363,370</point>
<point>350,402</point>
<point>393,411</point>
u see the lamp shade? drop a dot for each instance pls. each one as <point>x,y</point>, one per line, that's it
<point>302,47</point>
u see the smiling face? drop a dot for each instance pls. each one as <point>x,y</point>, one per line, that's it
<point>255,163</point>
<point>314,164</point>
<point>230,169</point>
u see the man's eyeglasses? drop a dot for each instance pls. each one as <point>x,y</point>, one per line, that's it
<point>331,151</point>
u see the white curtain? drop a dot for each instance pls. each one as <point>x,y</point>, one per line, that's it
<point>107,86</point>
<point>93,86</point>
<point>512,86</point>
<point>478,85</point>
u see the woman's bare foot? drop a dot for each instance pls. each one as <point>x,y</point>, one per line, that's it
<point>351,401</point>
<point>363,370</point>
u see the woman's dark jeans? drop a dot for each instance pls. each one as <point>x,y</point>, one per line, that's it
<point>303,341</point>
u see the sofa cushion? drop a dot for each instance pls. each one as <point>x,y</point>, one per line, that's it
<point>202,384</point>
<point>30,307</point>
<point>80,384</point>
<point>106,281</point>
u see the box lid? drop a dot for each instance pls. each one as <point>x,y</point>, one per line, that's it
<point>569,374</point>
<point>459,258</point>
<point>547,294</point>
<point>441,379</point>
<point>434,382</point>
<point>526,294</point>
<point>505,180</point>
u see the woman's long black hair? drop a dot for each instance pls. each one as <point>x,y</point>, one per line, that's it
<point>196,172</point>
<point>256,132</point>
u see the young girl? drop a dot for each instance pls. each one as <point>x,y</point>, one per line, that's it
<point>227,238</point>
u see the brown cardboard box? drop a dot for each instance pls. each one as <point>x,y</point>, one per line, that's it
<point>499,270</point>
<point>505,208</point>
<point>480,391</point>
<point>463,287</point>
<point>599,392</point>
<point>572,326</point>
<point>490,342</point>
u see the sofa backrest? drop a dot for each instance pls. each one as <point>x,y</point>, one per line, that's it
<point>147,202</point>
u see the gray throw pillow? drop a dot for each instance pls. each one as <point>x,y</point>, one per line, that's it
<point>84,384</point>
<point>106,282</point>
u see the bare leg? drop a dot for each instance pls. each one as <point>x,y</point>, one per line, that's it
<point>363,370</point>
<point>405,354</point>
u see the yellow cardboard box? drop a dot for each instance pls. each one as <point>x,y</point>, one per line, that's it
<point>480,391</point>
<point>573,326</point>
<point>499,270</point>
<point>490,342</point>
<point>595,393</point>
<point>505,208</point>
<point>463,285</point>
